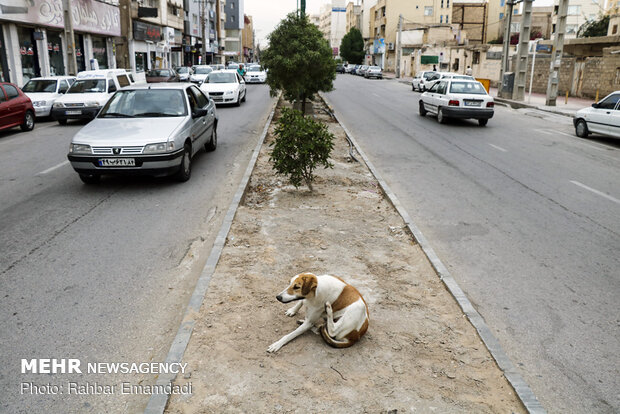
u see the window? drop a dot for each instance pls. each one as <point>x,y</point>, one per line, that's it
<point>614,29</point>
<point>232,5</point>
<point>609,103</point>
<point>447,21</point>
<point>64,86</point>
<point>475,58</point>
<point>571,28</point>
<point>111,86</point>
<point>442,4</point>
<point>501,16</point>
<point>140,62</point>
<point>516,11</point>
<point>515,27</point>
<point>122,80</point>
<point>201,99</point>
<point>232,18</point>
<point>447,3</point>
<point>441,18</point>
<point>574,10</point>
<point>428,10</point>
<point>11,92</point>
<point>2,97</point>
<point>502,3</point>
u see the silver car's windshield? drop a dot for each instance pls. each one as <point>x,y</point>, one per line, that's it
<point>145,103</point>
<point>183,69</point>
<point>88,86</point>
<point>202,71</point>
<point>159,73</point>
<point>40,86</point>
<point>474,88</point>
<point>221,78</point>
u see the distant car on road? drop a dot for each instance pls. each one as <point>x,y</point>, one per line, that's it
<point>225,86</point>
<point>184,73</point>
<point>340,68</point>
<point>373,72</point>
<point>146,130</point>
<point>15,108</point>
<point>421,78</point>
<point>602,118</point>
<point>362,70</point>
<point>255,74</point>
<point>43,92</point>
<point>200,73</point>
<point>161,75</point>
<point>456,98</point>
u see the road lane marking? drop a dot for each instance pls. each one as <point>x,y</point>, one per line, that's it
<point>53,168</point>
<point>499,148</point>
<point>602,194</point>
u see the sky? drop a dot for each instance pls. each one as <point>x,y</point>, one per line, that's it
<point>266,14</point>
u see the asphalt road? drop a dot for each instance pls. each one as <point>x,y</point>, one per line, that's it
<point>525,216</point>
<point>103,273</point>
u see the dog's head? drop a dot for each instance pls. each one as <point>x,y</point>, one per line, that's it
<point>302,286</point>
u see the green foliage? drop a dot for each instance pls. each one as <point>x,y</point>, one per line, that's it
<point>299,60</point>
<point>301,145</point>
<point>594,28</point>
<point>352,47</point>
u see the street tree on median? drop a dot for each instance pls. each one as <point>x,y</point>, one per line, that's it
<point>299,60</point>
<point>352,47</point>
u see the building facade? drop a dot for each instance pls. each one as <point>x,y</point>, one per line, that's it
<point>247,37</point>
<point>579,12</point>
<point>32,40</point>
<point>234,26</point>
<point>333,23</point>
<point>194,13</point>
<point>354,17</point>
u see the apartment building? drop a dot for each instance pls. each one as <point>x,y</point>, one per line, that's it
<point>32,41</point>
<point>195,12</point>
<point>353,17</point>
<point>248,39</point>
<point>333,23</point>
<point>579,12</point>
<point>234,27</point>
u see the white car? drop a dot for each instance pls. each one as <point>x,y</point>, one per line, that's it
<point>602,118</point>
<point>200,73</point>
<point>43,92</point>
<point>255,74</point>
<point>444,76</point>
<point>420,78</point>
<point>456,98</point>
<point>88,94</point>
<point>225,86</point>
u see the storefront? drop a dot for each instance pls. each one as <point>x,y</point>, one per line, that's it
<point>34,44</point>
<point>146,38</point>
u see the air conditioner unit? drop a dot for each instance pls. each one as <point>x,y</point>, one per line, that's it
<point>390,46</point>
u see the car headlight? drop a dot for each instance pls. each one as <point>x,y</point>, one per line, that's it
<point>59,105</point>
<point>38,103</point>
<point>80,149</point>
<point>158,147</point>
<point>229,93</point>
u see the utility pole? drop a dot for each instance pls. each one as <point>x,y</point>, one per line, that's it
<point>398,44</point>
<point>202,27</point>
<point>506,48</point>
<point>518,92</point>
<point>556,55</point>
<point>69,37</point>
<point>302,8</point>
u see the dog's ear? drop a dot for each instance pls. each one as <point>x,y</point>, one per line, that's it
<point>309,284</point>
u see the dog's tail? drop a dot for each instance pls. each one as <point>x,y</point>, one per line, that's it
<point>333,342</point>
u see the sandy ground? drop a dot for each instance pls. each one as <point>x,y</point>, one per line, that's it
<point>420,353</point>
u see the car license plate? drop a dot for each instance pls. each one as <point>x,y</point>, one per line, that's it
<point>73,112</point>
<point>472,103</point>
<point>117,162</point>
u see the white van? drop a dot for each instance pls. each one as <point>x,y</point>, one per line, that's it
<point>88,94</point>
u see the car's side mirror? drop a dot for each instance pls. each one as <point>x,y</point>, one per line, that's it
<point>197,113</point>
<point>595,105</point>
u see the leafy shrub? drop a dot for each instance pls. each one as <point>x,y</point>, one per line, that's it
<point>301,145</point>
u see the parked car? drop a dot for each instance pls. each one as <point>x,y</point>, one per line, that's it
<point>15,108</point>
<point>200,73</point>
<point>373,72</point>
<point>256,74</point>
<point>225,86</point>
<point>161,75</point>
<point>218,67</point>
<point>362,70</point>
<point>146,130</point>
<point>602,118</point>
<point>444,76</point>
<point>421,78</point>
<point>184,72</point>
<point>340,68</point>
<point>88,94</point>
<point>43,92</point>
<point>456,98</point>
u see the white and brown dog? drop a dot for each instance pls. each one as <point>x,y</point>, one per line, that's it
<point>330,296</point>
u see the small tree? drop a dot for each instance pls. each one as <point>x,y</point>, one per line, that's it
<point>594,28</point>
<point>299,60</point>
<point>352,47</point>
<point>301,145</point>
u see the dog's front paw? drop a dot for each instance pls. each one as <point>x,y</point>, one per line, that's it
<point>291,312</point>
<point>274,347</point>
<point>328,309</point>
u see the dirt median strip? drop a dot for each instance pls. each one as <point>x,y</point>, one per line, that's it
<point>420,352</point>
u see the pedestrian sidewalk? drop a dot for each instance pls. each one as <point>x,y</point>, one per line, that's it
<point>538,100</point>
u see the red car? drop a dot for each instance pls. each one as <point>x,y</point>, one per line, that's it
<point>15,108</point>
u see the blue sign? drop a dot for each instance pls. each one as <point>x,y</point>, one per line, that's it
<point>544,48</point>
<point>339,9</point>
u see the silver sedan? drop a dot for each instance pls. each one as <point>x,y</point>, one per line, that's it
<point>146,130</point>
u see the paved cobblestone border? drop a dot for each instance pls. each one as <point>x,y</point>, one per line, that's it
<point>522,389</point>
<point>157,402</point>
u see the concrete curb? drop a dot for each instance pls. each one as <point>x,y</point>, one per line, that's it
<point>520,105</point>
<point>522,389</point>
<point>157,402</point>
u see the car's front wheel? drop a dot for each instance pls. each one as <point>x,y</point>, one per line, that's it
<point>422,109</point>
<point>483,122</point>
<point>28,124</point>
<point>245,94</point>
<point>581,129</point>
<point>185,169</point>
<point>440,117</point>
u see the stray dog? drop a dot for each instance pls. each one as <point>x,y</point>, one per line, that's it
<point>344,306</point>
